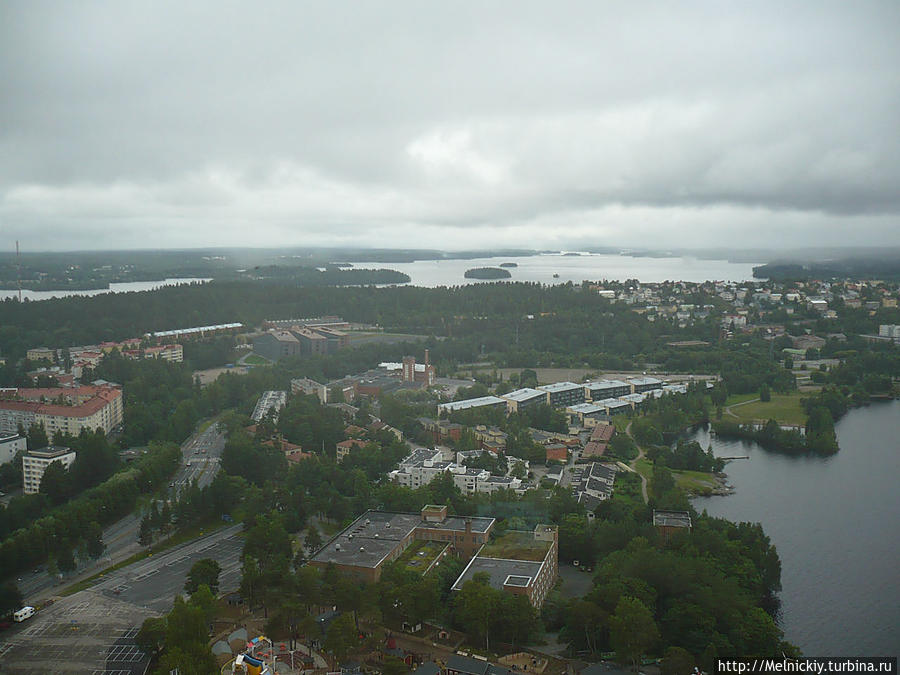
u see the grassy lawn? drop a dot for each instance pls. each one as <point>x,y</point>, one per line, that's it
<point>256,360</point>
<point>740,398</point>
<point>785,408</point>
<point>644,467</point>
<point>620,422</point>
<point>696,482</point>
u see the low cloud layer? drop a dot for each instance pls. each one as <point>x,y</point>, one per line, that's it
<point>452,125</point>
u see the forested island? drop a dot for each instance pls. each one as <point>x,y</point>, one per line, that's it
<point>509,264</point>
<point>487,273</point>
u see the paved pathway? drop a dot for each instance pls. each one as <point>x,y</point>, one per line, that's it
<point>735,405</point>
<point>633,463</point>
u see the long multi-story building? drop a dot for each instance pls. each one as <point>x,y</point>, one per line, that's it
<point>35,463</point>
<point>601,389</point>
<point>65,409</point>
<point>10,445</point>
<point>480,402</point>
<point>641,384</point>
<point>522,399</point>
<point>562,394</point>
<point>278,343</point>
<point>169,352</point>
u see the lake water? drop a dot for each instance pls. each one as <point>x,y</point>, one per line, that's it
<point>594,267</point>
<point>113,288</point>
<point>836,524</point>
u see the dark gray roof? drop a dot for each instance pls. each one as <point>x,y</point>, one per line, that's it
<point>465,664</point>
<point>428,668</point>
<point>499,570</point>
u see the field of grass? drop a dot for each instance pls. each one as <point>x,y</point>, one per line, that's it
<point>644,467</point>
<point>695,482</point>
<point>620,422</point>
<point>785,408</point>
<point>740,398</point>
<point>256,360</point>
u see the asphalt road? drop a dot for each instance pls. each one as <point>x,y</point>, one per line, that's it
<point>201,456</point>
<point>94,630</point>
<point>153,583</point>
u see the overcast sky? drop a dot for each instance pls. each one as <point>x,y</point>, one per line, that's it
<point>449,124</point>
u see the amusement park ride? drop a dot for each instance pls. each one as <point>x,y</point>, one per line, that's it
<point>255,661</point>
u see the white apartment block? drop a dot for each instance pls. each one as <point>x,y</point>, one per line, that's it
<point>36,462</point>
<point>424,465</point>
<point>10,444</point>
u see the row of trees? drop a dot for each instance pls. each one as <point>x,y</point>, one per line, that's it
<point>77,523</point>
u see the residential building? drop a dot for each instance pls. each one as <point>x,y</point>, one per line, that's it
<point>35,463</point>
<point>423,465</point>
<point>276,345</point>
<point>311,342</point>
<point>492,439</point>
<point>481,402</point>
<point>562,394</point>
<point>595,485</point>
<point>602,389</point>
<point>344,448</point>
<point>614,406</point>
<point>170,352</point>
<point>641,384</point>
<point>196,332</point>
<point>64,409</point>
<point>599,441</point>
<point>586,414</point>
<point>10,445</point>
<point>522,399</point>
<point>532,572</point>
<point>272,401</point>
<point>40,354</point>
<point>304,385</point>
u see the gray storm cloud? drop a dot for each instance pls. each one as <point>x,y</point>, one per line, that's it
<point>451,125</point>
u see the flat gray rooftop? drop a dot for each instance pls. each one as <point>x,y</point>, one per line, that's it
<point>498,571</point>
<point>378,533</point>
<point>671,519</point>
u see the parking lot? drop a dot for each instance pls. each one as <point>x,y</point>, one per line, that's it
<point>85,633</point>
<point>93,631</point>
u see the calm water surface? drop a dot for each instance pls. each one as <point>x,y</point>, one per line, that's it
<point>836,524</point>
<point>595,267</point>
<point>113,288</point>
